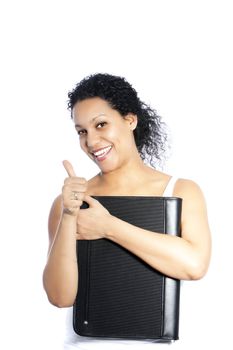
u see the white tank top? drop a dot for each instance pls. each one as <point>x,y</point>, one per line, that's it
<point>74,341</point>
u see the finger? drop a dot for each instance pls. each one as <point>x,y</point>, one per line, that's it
<point>69,168</point>
<point>74,203</point>
<point>81,182</point>
<point>91,201</point>
<point>69,188</point>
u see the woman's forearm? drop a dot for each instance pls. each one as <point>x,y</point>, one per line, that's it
<point>60,275</point>
<point>171,255</point>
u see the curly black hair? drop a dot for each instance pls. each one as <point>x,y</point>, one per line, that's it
<point>150,134</point>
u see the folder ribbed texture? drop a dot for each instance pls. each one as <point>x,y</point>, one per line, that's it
<point>119,295</point>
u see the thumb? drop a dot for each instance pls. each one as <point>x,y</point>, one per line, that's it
<point>91,201</point>
<point>69,168</point>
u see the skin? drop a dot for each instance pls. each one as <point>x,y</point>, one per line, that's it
<point>122,172</point>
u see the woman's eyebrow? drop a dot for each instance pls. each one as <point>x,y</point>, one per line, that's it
<point>93,119</point>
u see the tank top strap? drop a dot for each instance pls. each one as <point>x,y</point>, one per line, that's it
<point>168,192</point>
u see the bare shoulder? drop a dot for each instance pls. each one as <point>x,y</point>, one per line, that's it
<point>194,203</point>
<point>186,188</point>
<point>54,217</point>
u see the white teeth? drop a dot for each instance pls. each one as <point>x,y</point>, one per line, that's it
<point>102,151</point>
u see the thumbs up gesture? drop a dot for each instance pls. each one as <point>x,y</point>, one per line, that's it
<point>73,191</point>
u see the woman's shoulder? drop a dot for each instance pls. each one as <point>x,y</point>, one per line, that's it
<point>186,186</point>
<point>155,183</point>
<point>191,193</point>
<point>180,186</point>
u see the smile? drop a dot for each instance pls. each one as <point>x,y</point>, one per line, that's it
<point>102,153</point>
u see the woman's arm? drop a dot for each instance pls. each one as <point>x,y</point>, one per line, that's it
<point>60,275</point>
<point>186,257</point>
<point>182,258</point>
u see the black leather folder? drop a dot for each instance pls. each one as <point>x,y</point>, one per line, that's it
<point>119,295</point>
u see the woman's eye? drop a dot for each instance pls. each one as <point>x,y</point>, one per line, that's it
<point>81,132</point>
<point>101,124</point>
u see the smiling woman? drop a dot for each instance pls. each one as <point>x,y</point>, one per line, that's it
<point>104,135</point>
<point>121,97</point>
<point>120,134</point>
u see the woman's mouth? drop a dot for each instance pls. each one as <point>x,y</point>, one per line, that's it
<point>102,154</point>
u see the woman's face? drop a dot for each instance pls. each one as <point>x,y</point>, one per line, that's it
<point>105,136</point>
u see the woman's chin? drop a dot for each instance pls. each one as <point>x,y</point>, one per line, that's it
<point>106,168</point>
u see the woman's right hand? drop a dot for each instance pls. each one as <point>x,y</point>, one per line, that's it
<point>73,190</point>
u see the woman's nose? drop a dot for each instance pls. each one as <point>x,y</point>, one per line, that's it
<point>92,139</point>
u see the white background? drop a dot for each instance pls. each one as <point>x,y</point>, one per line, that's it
<point>178,56</point>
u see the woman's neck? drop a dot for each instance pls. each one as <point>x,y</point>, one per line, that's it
<point>125,177</point>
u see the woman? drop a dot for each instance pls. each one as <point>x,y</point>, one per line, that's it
<point>119,132</point>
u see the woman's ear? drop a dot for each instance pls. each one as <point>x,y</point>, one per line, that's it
<point>132,120</point>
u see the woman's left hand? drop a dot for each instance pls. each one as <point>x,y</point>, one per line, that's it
<point>92,222</point>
